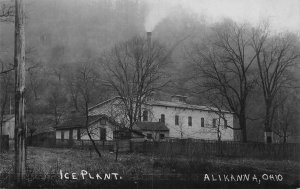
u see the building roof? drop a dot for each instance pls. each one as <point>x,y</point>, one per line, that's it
<point>151,126</point>
<point>183,105</point>
<point>104,102</point>
<point>78,121</point>
<point>8,117</point>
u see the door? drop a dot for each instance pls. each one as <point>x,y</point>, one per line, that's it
<point>102,134</point>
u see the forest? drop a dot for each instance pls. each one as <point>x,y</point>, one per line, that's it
<point>81,53</point>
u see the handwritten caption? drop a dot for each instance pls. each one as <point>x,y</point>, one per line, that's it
<point>87,175</point>
<point>243,178</point>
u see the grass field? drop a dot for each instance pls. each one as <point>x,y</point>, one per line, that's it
<point>44,165</point>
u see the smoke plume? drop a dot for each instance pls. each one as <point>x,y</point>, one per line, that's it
<point>281,15</point>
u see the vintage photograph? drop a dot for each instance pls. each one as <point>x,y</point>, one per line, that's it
<point>150,94</point>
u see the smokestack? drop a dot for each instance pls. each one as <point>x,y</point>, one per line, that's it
<point>149,39</point>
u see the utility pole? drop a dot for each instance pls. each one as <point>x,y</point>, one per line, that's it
<point>19,63</point>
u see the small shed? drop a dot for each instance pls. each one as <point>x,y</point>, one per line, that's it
<point>156,131</point>
<point>100,127</point>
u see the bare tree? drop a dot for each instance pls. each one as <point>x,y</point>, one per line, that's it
<point>86,82</point>
<point>285,113</point>
<point>224,68</point>
<point>7,11</point>
<point>35,80</point>
<point>275,56</point>
<point>56,101</point>
<point>72,89</point>
<point>218,108</point>
<point>134,72</point>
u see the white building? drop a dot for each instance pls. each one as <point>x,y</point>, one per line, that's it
<point>8,126</point>
<point>182,119</point>
<point>100,128</point>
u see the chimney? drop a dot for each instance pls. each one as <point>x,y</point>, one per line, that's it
<point>179,98</point>
<point>149,34</point>
<point>151,97</point>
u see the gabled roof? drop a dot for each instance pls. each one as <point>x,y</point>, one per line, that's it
<point>104,102</point>
<point>78,121</point>
<point>8,117</point>
<point>151,126</point>
<point>181,105</point>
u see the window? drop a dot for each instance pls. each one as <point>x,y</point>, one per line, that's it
<point>149,136</point>
<point>58,134</point>
<point>202,121</point>
<point>161,136</point>
<point>78,134</point>
<point>62,135</point>
<point>190,121</point>
<point>176,120</point>
<point>102,121</point>
<point>214,122</point>
<point>145,115</point>
<point>225,124</point>
<point>162,118</point>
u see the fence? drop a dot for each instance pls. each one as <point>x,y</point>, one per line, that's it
<point>192,148</point>
<point>123,145</point>
<point>188,148</point>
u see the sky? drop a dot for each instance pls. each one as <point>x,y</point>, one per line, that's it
<point>282,15</point>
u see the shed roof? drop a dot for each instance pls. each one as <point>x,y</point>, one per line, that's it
<point>78,121</point>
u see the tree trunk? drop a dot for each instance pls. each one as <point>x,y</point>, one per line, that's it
<point>242,121</point>
<point>88,132</point>
<point>20,126</point>
<point>268,128</point>
<point>268,118</point>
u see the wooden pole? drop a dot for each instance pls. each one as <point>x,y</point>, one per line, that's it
<point>19,61</point>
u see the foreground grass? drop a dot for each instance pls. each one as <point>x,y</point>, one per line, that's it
<point>44,165</point>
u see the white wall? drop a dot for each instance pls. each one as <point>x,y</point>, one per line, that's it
<point>194,131</point>
<point>93,129</point>
<point>8,128</point>
<point>112,109</point>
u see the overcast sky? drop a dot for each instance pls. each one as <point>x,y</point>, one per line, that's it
<point>282,14</point>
